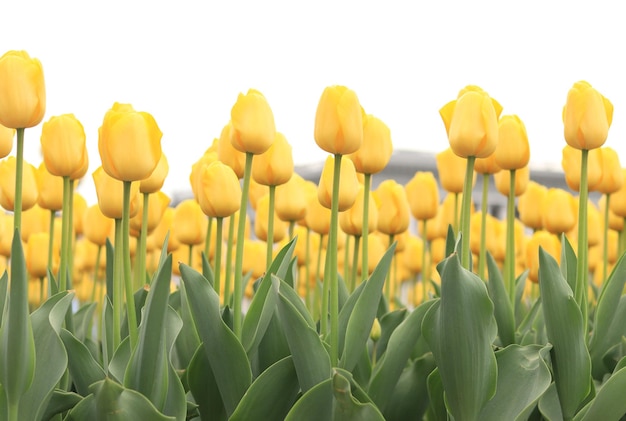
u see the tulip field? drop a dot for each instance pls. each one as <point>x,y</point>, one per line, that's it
<point>269,297</point>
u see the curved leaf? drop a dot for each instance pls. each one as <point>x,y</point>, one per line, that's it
<point>203,387</point>
<point>60,401</point>
<point>316,404</point>
<point>503,311</point>
<point>84,369</point>
<point>609,403</point>
<point>410,394</point>
<point>346,406</point>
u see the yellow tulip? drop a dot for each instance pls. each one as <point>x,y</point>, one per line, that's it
<point>254,258</point>
<point>351,220</point>
<point>612,178</point>
<point>451,169</point>
<point>559,211</point>
<point>261,222</point>
<point>50,189</point>
<point>22,90</point>
<point>246,233</point>
<point>486,166</point>
<point>375,251</point>
<point>253,128</point>
<point>6,234</point>
<point>98,227</point>
<point>529,205</point>
<point>317,217</point>
<point>79,208</point>
<point>189,224</point>
<point>375,152</point>
<point>164,229</point>
<point>339,121</point>
<point>571,164</point>
<point>617,204</point>
<point>255,192</point>
<point>36,254</point>
<point>197,168</point>
<point>7,184</point>
<point>129,143</point>
<point>156,180</point>
<point>546,240</point>
<point>63,145</point>
<point>512,151</point>
<point>615,222</point>
<point>110,194</point>
<point>471,122</point>
<point>157,203</point>
<point>594,224</point>
<point>413,254</point>
<point>6,140</point>
<point>587,116</point>
<point>502,180</point>
<point>274,166</point>
<point>291,199</point>
<point>348,184</point>
<point>423,195</point>
<point>36,220</point>
<point>219,191</point>
<point>227,153</point>
<point>393,211</point>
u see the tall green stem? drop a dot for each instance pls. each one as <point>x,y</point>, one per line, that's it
<point>605,239</point>
<point>367,185</point>
<point>307,270</point>
<point>19,172</point>
<point>207,240</point>
<point>316,291</point>
<point>424,265</point>
<point>582,268</point>
<point>332,250</point>
<point>65,235</point>
<point>389,277</point>
<point>217,267</point>
<point>292,225</point>
<point>118,279</point>
<point>239,252</point>
<point>346,259</point>
<point>270,228</point>
<point>140,264</point>
<point>355,262</point>
<point>51,240</point>
<point>509,257</point>
<point>128,281</point>
<point>482,257</point>
<point>465,213</point>
<point>229,259</point>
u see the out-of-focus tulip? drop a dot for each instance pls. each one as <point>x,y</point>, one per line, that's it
<point>291,199</point>
<point>422,193</point>
<point>559,211</point>
<point>6,140</point>
<point>253,129</point>
<point>348,184</point>
<point>162,230</point>
<point>247,229</point>
<point>594,224</point>
<point>529,205</point>
<point>196,171</point>
<point>486,166</point>
<point>375,251</point>
<point>261,222</point>
<point>6,234</point>
<point>63,145</point>
<point>98,227</point>
<point>129,143</point>
<point>37,254</point>
<point>393,209</point>
<point>189,224</point>
<point>227,153</point>
<point>36,219</point>
<point>351,220</point>
<point>339,121</point>
<point>549,242</point>
<point>612,178</point>
<point>110,194</point>
<point>255,192</point>
<point>7,184</point>
<point>615,222</point>
<point>617,204</point>
<point>22,90</point>
<point>219,191</point>
<point>451,169</point>
<point>587,116</point>
<point>317,217</point>
<point>502,180</point>
<point>157,203</point>
<point>513,150</point>
<point>155,182</point>
<point>254,258</point>
<point>274,166</point>
<point>78,210</point>
<point>413,253</point>
<point>50,189</point>
<point>472,122</point>
<point>375,152</point>
<point>571,163</point>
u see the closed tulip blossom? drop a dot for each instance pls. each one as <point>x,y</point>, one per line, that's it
<point>227,153</point>
<point>375,152</point>
<point>109,193</point>
<point>502,180</point>
<point>339,121</point>
<point>155,181</point>
<point>351,220</point>
<point>571,164</point>
<point>529,205</point>
<point>261,226</point>
<point>612,178</point>
<point>220,191</point>
<point>197,169</point>
<point>6,140</point>
<point>451,171</point>
<point>98,227</point>
<point>253,129</point>
<point>512,150</point>
<point>37,254</point>
<point>7,184</point>
<point>587,116</point>
<point>422,193</point>
<point>348,187</point>
<point>157,203</point>
<point>487,166</point>
<point>189,223</point>
<point>63,145</point>
<point>274,166</point>
<point>291,199</point>
<point>393,211</point>
<point>559,211</point>
<point>50,189</point>
<point>546,240</point>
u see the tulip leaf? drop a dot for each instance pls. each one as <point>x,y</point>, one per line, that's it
<point>207,272</point>
<point>605,332</point>
<point>273,346</point>
<point>271,395</point>
<point>388,324</point>
<point>46,322</point>
<point>226,355</point>
<point>119,362</point>
<point>609,403</point>
<point>568,262</point>
<point>83,320</point>
<point>107,332</point>
<point>571,362</point>
<point>4,283</point>
<point>346,312</point>
<point>460,329</point>
<point>503,311</point>
<point>60,401</point>
<point>110,257</point>
<point>346,406</point>
<point>204,388</point>
<point>549,405</point>
<point>84,370</point>
<point>401,343</point>
<point>310,357</point>
<point>111,402</point>
<point>437,409</point>
<point>315,404</point>
<point>17,343</point>
<point>188,340</point>
<point>364,312</point>
<point>522,373</point>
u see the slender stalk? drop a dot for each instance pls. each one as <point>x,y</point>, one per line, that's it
<point>95,273</point>
<point>51,240</point>
<point>292,225</point>
<point>605,239</point>
<point>72,238</point>
<point>424,267</point>
<point>307,270</point>
<point>13,408</point>
<point>509,257</point>
<point>140,264</point>
<point>324,292</point>
<point>217,266</point>
<point>229,259</point>
<point>42,290</point>
<point>482,257</point>
<point>130,301</point>
<point>270,228</point>
<point>19,165</point>
<point>118,275</point>
<point>63,267</point>
<point>346,259</point>
<point>582,269</point>
<point>190,256</point>
<point>332,250</point>
<point>389,279</point>
<point>355,262</point>
<point>207,241</point>
<point>455,220</point>
<point>465,213</point>
<point>367,184</point>
<point>239,252</point>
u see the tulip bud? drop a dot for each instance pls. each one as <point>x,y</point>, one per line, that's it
<point>110,193</point>
<point>375,152</point>
<point>351,220</point>
<point>37,254</point>
<point>529,205</point>
<point>559,211</point>
<point>587,116</point>
<point>549,242</point>
<point>512,151</point>
<point>612,178</point>
<point>155,182</point>
<point>253,128</point>
<point>22,90</point>
<point>339,121</point>
<point>219,191</point>
<point>36,220</point>
<point>375,331</point>
<point>291,199</point>
<point>571,164</point>
<point>7,184</point>
<point>423,195</point>
<point>63,145</point>
<point>50,189</point>
<point>413,253</point>
<point>79,208</point>
<point>261,222</point>
<point>255,192</point>
<point>227,153</point>
<point>393,211</point>
<point>348,184</point>
<point>254,258</point>
<point>6,140</point>
<point>486,166</point>
<point>98,227</point>
<point>274,166</point>
<point>617,204</point>
<point>157,203</point>
<point>189,224</point>
<point>162,230</point>
<point>451,169</point>
<point>197,168</point>
<point>502,180</point>
<point>317,217</point>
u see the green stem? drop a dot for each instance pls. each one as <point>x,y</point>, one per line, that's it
<point>307,270</point>
<point>207,241</point>
<point>190,256</point>
<point>482,257</point>
<point>218,256</point>
<point>389,279</point>
<point>292,225</point>
<point>71,237</point>
<point>229,259</point>
<point>95,274</point>
<point>509,257</point>
<point>128,281</point>
<point>367,184</point>
<point>605,239</point>
<point>455,219</point>
<point>424,267</point>
<point>13,409</point>
<point>19,165</point>
<point>42,289</point>
<point>270,228</point>
<point>51,240</point>
<point>324,292</point>
<point>346,259</point>
<point>118,275</point>
<point>582,263</point>
<point>465,213</point>
<point>332,250</point>
<point>63,267</point>
<point>140,262</point>
<point>355,262</point>
<point>239,252</point>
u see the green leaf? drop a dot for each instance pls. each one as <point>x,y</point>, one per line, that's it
<point>409,400</point>
<point>84,369</point>
<point>503,311</point>
<point>437,409</point>
<point>109,401</point>
<point>226,355</point>
<point>310,357</point>
<point>107,332</point>
<point>4,284</point>
<point>272,348</point>
<point>60,401</point>
<point>609,403</point>
<point>316,404</point>
<point>571,363</point>
<point>46,322</point>
<point>207,272</point>
<point>401,343</point>
<point>549,405</point>
<point>522,374</point>
<point>388,324</point>
<point>364,313</point>
<point>568,262</point>
<point>204,388</point>
<point>119,362</point>
<point>272,394</point>
<point>17,343</point>
<point>460,329</point>
<point>83,320</point>
<point>346,406</point>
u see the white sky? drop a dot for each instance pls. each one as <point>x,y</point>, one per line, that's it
<point>185,62</point>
